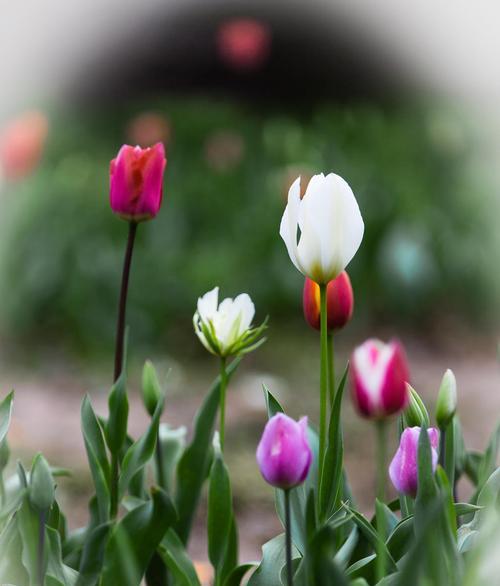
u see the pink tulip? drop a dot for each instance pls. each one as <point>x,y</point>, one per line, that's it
<point>283,455</point>
<point>136,182</point>
<point>404,466</point>
<point>339,302</point>
<point>379,373</point>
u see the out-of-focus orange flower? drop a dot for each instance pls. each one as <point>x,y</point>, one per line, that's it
<point>21,144</point>
<point>244,43</point>
<point>148,129</point>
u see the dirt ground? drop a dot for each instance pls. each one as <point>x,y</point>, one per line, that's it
<point>47,408</point>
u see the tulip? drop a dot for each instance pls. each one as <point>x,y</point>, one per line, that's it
<point>330,223</point>
<point>379,373</point>
<point>446,405</point>
<point>225,329</point>
<point>283,455</point>
<point>403,470</point>
<point>339,302</point>
<point>136,182</point>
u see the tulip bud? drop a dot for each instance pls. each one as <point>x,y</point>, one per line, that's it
<point>403,470</point>
<point>339,302</point>
<point>446,406</point>
<point>136,182</point>
<point>416,413</point>
<point>378,379</point>
<point>283,455</point>
<point>151,389</point>
<point>42,489</point>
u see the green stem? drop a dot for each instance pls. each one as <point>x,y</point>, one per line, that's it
<point>323,384</point>
<point>160,469</point>
<point>114,486</point>
<point>223,389</point>
<point>41,548</point>
<point>288,534</point>
<point>331,369</point>
<point>3,496</point>
<point>442,448</point>
<point>381,495</point>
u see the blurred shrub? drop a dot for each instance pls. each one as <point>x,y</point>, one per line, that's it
<point>429,227</point>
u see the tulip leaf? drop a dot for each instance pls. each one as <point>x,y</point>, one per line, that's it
<point>324,570</point>
<point>6,414</point>
<point>175,557</point>
<point>140,452</point>
<point>194,464</point>
<point>273,559</point>
<point>116,428</point>
<point>331,483</point>
<point>237,575</point>
<point>220,517</point>
<point>98,460</point>
<point>134,540</point>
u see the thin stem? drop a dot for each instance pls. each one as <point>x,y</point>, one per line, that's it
<point>223,389</point>
<point>122,306</point>
<point>331,369</point>
<point>41,548</point>
<point>381,459</point>
<point>288,534</point>
<point>114,486</point>
<point>442,448</point>
<point>323,383</point>
<point>160,469</point>
<point>381,496</point>
<point>3,496</point>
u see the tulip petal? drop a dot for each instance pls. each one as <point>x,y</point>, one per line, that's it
<point>289,223</point>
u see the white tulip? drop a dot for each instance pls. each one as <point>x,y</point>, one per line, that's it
<point>225,328</point>
<point>330,224</point>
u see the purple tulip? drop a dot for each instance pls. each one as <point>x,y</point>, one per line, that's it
<point>283,455</point>
<point>404,466</point>
<point>379,373</point>
<point>136,182</point>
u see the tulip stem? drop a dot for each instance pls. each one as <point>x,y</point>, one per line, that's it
<point>442,448</point>
<point>381,494</point>
<point>223,388</point>
<point>122,307</point>
<point>331,369</point>
<point>115,473</point>
<point>41,548</point>
<point>160,469</point>
<point>288,537</point>
<point>323,384</point>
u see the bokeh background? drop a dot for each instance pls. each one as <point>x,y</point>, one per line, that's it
<point>400,101</point>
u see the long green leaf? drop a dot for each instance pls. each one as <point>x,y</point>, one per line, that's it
<point>134,540</point>
<point>194,464</point>
<point>175,557</point>
<point>6,414</point>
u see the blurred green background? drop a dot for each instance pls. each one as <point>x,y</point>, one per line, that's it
<point>428,250</point>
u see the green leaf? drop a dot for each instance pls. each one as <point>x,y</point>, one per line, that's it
<point>173,442</point>
<point>6,414</point>
<point>273,559</point>
<point>194,464</point>
<point>176,559</point>
<point>220,512</point>
<point>98,460</point>
<point>331,483</point>
<point>449,453</point>
<point>134,540</point>
<point>399,540</point>
<point>116,429</point>
<point>29,529</point>
<point>324,570</point>
<point>151,388</point>
<point>140,452</point>
<point>92,557</point>
<point>237,575</point>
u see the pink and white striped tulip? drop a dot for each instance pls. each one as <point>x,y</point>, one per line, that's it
<point>284,455</point>
<point>379,373</point>
<point>403,470</point>
<point>136,182</point>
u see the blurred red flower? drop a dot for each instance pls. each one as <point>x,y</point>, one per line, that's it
<point>243,43</point>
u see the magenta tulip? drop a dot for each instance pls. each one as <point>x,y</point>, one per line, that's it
<point>136,182</point>
<point>404,466</point>
<point>379,373</point>
<point>283,455</point>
